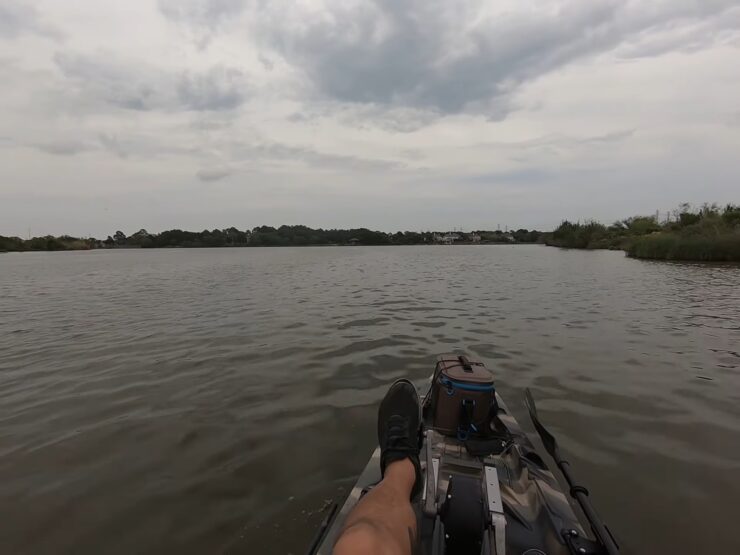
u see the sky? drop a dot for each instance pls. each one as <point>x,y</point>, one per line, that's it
<point>387,114</point>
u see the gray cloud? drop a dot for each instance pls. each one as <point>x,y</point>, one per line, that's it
<point>323,160</point>
<point>211,121</point>
<point>221,155</point>
<point>130,86</point>
<point>213,174</point>
<point>450,57</point>
<point>685,34</point>
<point>107,79</point>
<point>560,141</point>
<point>215,90</point>
<point>149,146</point>
<point>64,147</point>
<point>365,116</point>
<point>395,119</point>
<point>14,18</point>
<point>113,144</point>
<point>136,86</point>
<point>521,177</point>
<point>203,17</point>
<point>141,146</point>
<point>612,137</point>
<point>208,13</point>
<point>17,18</point>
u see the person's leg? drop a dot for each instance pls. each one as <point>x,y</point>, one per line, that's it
<point>383,522</point>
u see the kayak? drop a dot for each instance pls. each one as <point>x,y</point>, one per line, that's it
<point>489,496</point>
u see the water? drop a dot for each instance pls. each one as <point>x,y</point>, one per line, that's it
<point>200,401</point>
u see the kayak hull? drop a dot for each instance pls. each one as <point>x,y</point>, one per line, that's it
<point>527,510</point>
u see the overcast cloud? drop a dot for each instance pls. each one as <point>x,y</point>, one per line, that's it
<point>390,114</point>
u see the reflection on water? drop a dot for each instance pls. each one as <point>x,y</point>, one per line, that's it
<point>210,400</point>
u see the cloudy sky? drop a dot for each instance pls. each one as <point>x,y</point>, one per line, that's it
<point>390,114</point>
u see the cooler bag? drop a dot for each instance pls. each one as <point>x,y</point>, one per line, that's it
<point>463,397</point>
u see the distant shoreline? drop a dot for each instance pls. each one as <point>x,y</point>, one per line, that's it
<point>137,248</point>
<point>265,236</point>
<point>706,234</point>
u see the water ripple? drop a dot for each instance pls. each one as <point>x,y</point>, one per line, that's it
<point>209,400</point>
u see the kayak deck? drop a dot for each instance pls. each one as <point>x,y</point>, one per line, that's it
<point>504,493</point>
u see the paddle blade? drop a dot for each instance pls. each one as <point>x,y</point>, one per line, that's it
<point>547,438</point>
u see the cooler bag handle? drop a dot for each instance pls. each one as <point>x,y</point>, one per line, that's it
<point>465,361</point>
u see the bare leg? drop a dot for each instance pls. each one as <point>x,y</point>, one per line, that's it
<point>383,522</point>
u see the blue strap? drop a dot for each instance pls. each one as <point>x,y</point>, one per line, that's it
<point>451,385</point>
<point>462,433</point>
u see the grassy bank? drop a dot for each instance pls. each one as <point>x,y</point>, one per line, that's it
<point>704,234</point>
<point>723,247</point>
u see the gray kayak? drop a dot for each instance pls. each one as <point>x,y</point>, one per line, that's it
<point>489,497</point>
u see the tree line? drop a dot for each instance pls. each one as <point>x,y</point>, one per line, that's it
<point>261,236</point>
<point>46,243</point>
<point>706,233</point>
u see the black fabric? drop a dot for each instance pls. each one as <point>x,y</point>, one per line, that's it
<point>485,447</point>
<point>468,406</point>
<point>469,429</point>
<point>487,439</point>
<point>463,515</point>
<point>399,429</point>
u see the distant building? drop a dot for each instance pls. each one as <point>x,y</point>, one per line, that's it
<point>474,238</point>
<point>446,239</point>
<point>353,242</point>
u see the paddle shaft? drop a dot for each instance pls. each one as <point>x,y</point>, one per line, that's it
<point>580,494</point>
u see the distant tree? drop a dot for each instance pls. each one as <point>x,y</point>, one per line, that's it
<point>141,238</point>
<point>526,236</point>
<point>641,225</point>
<point>731,215</point>
<point>264,229</point>
<point>12,244</point>
<point>686,219</point>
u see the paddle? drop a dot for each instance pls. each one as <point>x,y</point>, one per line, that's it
<point>579,493</point>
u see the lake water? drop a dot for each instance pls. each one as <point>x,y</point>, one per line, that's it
<point>200,401</point>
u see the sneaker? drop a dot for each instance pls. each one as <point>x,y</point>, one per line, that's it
<point>399,428</point>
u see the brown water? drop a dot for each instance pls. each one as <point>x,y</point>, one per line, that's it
<point>196,401</point>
